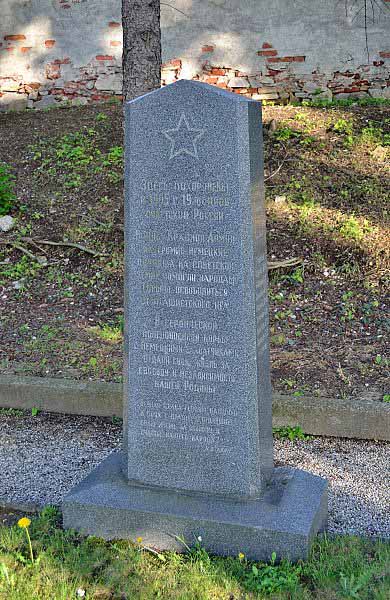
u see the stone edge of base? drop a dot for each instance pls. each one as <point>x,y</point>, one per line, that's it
<point>361,418</point>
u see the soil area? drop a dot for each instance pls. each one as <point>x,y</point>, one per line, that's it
<point>327,190</point>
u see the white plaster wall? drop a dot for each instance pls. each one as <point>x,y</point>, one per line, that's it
<point>224,33</point>
<point>323,32</point>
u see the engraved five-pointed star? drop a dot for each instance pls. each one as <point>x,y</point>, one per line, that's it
<point>183,139</point>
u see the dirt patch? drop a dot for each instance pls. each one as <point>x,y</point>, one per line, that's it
<point>327,181</point>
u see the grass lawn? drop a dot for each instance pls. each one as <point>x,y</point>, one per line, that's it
<point>67,566</point>
<point>327,191</point>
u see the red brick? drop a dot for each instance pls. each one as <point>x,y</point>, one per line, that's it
<point>25,49</point>
<point>267,45</point>
<point>50,43</point>
<point>35,85</point>
<point>62,61</point>
<point>114,24</point>
<point>351,90</point>
<point>17,37</point>
<point>212,80</point>
<point>217,71</point>
<point>207,48</point>
<point>52,71</point>
<point>175,62</point>
<point>115,43</point>
<point>384,54</point>
<point>280,59</point>
<point>267,52</point>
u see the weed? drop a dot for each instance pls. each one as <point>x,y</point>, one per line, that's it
<point>272,578</point>
<point>283,134</point>
<point>386,398</point>
<point>289,383</point>
<point>75,156</point>
<point>7,189</point>
<point>348,309</point>
<point>352,228</point>
<point>101,117</point>
<point>345,127</point>
<point>374,135</point>
<point>23,269</point>
<point>35,411</point>
<point>108,332</point>
<point>350,586</point>
<point>11,412</point>
<point>345,102</point>
<point>290,433</point>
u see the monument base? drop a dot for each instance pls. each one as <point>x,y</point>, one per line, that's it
<point>290,512</point>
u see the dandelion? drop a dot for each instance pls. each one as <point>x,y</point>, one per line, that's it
<point>24,523</point>
<point>80,593</point>
<point>241,556</point>
<point>199,538</point>
<point>139,540</point>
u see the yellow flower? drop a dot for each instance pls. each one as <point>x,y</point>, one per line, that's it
<point>241,556</point>
<point>139,540</point>
<point>24,522</point>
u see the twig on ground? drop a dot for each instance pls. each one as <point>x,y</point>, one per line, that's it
<point>277,170</point>
<point>67,244</point>
<point>284,264</point>
<point>20,248</point>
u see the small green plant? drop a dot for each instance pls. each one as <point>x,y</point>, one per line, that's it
<point>374,135</point>
<point>348,309</point>
<point>11,412</point>
<point>353,229</point>
<point>24,268</point>
<point>350,586</point>
<point>386,398</point>
<point>101,117</point>
<point>110,332</point>
<point>283,134</point>
<point>7,189</point>
<point>290,433</point>
<point>34,411</point>
<point>272,578</point>
<point>345,127</point>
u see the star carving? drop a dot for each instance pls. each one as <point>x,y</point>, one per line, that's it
<point>183,138</point>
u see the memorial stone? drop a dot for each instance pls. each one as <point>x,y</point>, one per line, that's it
<point>197,457</point>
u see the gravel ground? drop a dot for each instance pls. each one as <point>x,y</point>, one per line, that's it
<point>42,457</point>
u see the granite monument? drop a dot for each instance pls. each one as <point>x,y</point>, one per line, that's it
<point>197,457</point>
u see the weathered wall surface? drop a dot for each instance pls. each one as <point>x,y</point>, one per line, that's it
<point>56,50</point>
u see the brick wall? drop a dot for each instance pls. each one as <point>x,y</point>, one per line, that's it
<point>55,51</point>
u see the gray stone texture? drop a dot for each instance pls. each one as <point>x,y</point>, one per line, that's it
<point>362,418</point>
<point>197,394</point>
<point>197,457</point>
<point>293,508</point>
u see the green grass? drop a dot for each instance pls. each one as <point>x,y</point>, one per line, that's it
<point>66,565</point>
<point>7,189</point>
<point>72,157</point>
